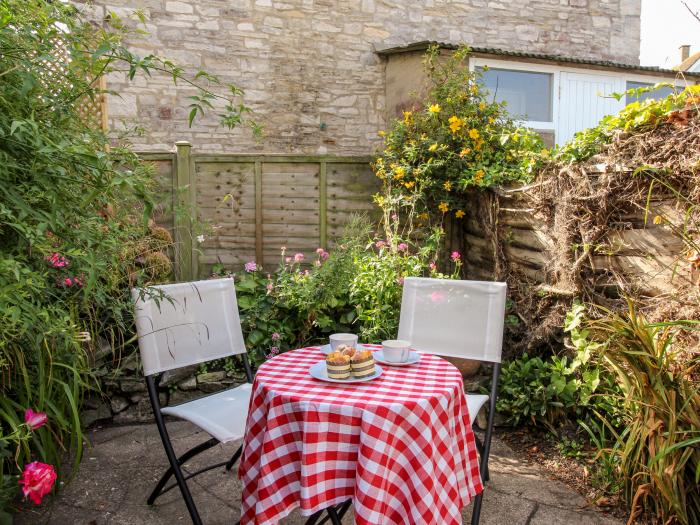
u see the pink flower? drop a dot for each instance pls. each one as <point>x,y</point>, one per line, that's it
<point>394,217</point>
<point>37,480</point>
<point>380,244</point>
<point>298,257</point>
<point>275,336</point>
<point>455,256</point>
<point>402,247</point>
<point>399,281</point>
<point>68,281</point>
<point>432,266</point>
<point>322,254</point>
<point>270,287</point>
<point>273,352</point>
<point>250,266</point>
<point>56,260</point>
<point>287,260</point>
<point>35,419</point>
<point>438,297</point>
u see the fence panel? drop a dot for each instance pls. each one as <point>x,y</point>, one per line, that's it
<point>254,204</point>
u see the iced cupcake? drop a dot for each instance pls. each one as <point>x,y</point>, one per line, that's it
<point>362,364</point>
<point>338,365</point>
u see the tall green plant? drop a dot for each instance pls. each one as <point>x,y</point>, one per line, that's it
<point>74,209</point>
<point>658,451</point>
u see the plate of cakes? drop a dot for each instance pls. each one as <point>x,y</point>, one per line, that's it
<point>347,365</point>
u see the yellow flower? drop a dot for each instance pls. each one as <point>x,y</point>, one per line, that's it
<point>399,172</point>
<point>433,147</point>
<point>407,116</point>
<point>544,152</point>
<point>658,219</point>
<point>491,120</point>
<point>423,216</point>
<point>443,207</point>
<point>381,133</point>
<point>478,144</point>
<point>482,106</point>
<point>435,108</point>
<point>459,214</point>
<point>478,176</point>
<point>465,151</point>
<point>455,124</point>
<point>447,185</point>
<point>474,133</point>
<point>409,184</point>
<point>474,89</point>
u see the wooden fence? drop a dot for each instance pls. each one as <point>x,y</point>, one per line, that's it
<point>647,257</point>
<point>252,205</point>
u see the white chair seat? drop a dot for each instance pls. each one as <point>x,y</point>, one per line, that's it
<point>474,404</point>
<point>223,415</point>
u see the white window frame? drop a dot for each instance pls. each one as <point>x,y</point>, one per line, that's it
<point>556,71</point>
<point>526,67</point>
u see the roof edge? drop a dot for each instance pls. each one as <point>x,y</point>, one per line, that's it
<point>425,44</point>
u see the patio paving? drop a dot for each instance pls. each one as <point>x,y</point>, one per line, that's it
<point>124,463</point>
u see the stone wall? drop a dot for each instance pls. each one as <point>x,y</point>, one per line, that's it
<point>309,68</point>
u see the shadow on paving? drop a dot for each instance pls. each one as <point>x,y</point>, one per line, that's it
<point>122,466</point>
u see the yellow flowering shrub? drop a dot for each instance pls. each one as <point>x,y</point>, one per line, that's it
<point>455,139</point>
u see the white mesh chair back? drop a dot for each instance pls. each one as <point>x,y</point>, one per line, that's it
<point>454,318</point>
<point>187,323</point>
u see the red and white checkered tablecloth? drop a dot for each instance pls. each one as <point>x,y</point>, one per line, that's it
<point>400,446</point>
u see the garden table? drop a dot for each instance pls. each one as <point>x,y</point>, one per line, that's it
<point>400,446</point>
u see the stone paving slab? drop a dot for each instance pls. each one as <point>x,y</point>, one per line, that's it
<point>123,464</point>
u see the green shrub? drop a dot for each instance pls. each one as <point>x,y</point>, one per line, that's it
<point>559,390</point>
<point>74,230</point>
<point>356,287</point>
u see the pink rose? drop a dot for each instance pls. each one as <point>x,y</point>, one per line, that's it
<point>35,419</point>
<point>298,257</point>
<point>250,266</point>
<point>37,480</point>
<point>402,247</point>
<point>455,256</point>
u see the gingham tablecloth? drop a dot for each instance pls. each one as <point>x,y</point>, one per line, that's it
<point>400,446</point>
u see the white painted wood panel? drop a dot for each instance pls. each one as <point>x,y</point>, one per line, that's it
<point>584,100</point>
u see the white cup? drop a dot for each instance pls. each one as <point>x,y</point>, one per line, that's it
<point>396,351</point>
<point>343,339</point>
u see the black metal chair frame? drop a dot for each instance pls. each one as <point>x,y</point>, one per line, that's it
<point>485,447</point>
<point>176,463</point>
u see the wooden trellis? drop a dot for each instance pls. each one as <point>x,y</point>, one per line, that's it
<point>92,110</point>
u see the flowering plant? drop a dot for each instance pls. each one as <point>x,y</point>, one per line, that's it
<point>455,139</point>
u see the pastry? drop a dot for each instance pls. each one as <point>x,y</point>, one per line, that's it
<point>338,365</point>
<point>362,363</point>
<point>346,350</point>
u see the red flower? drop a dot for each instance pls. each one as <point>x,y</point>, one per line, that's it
<point>35,419</point>
<point>37,480</point>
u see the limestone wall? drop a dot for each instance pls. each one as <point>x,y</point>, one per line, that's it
<point>309,67</point>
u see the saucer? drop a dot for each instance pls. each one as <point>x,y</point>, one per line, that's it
<point>413,358</point>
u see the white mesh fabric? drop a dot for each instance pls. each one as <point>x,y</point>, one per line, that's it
<point>187,323</point>
<point>454,318</point>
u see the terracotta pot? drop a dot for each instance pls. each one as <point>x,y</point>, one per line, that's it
<point>467,367</point>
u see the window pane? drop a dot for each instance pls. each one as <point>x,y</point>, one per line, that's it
<point>656,94</point>
<point>528,94</point>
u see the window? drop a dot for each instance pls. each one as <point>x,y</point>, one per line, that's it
<point>662,92</point>
<point>528,94</point>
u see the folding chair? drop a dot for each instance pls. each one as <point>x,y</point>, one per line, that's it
<point>459,319</point>
<point>180,325</point>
